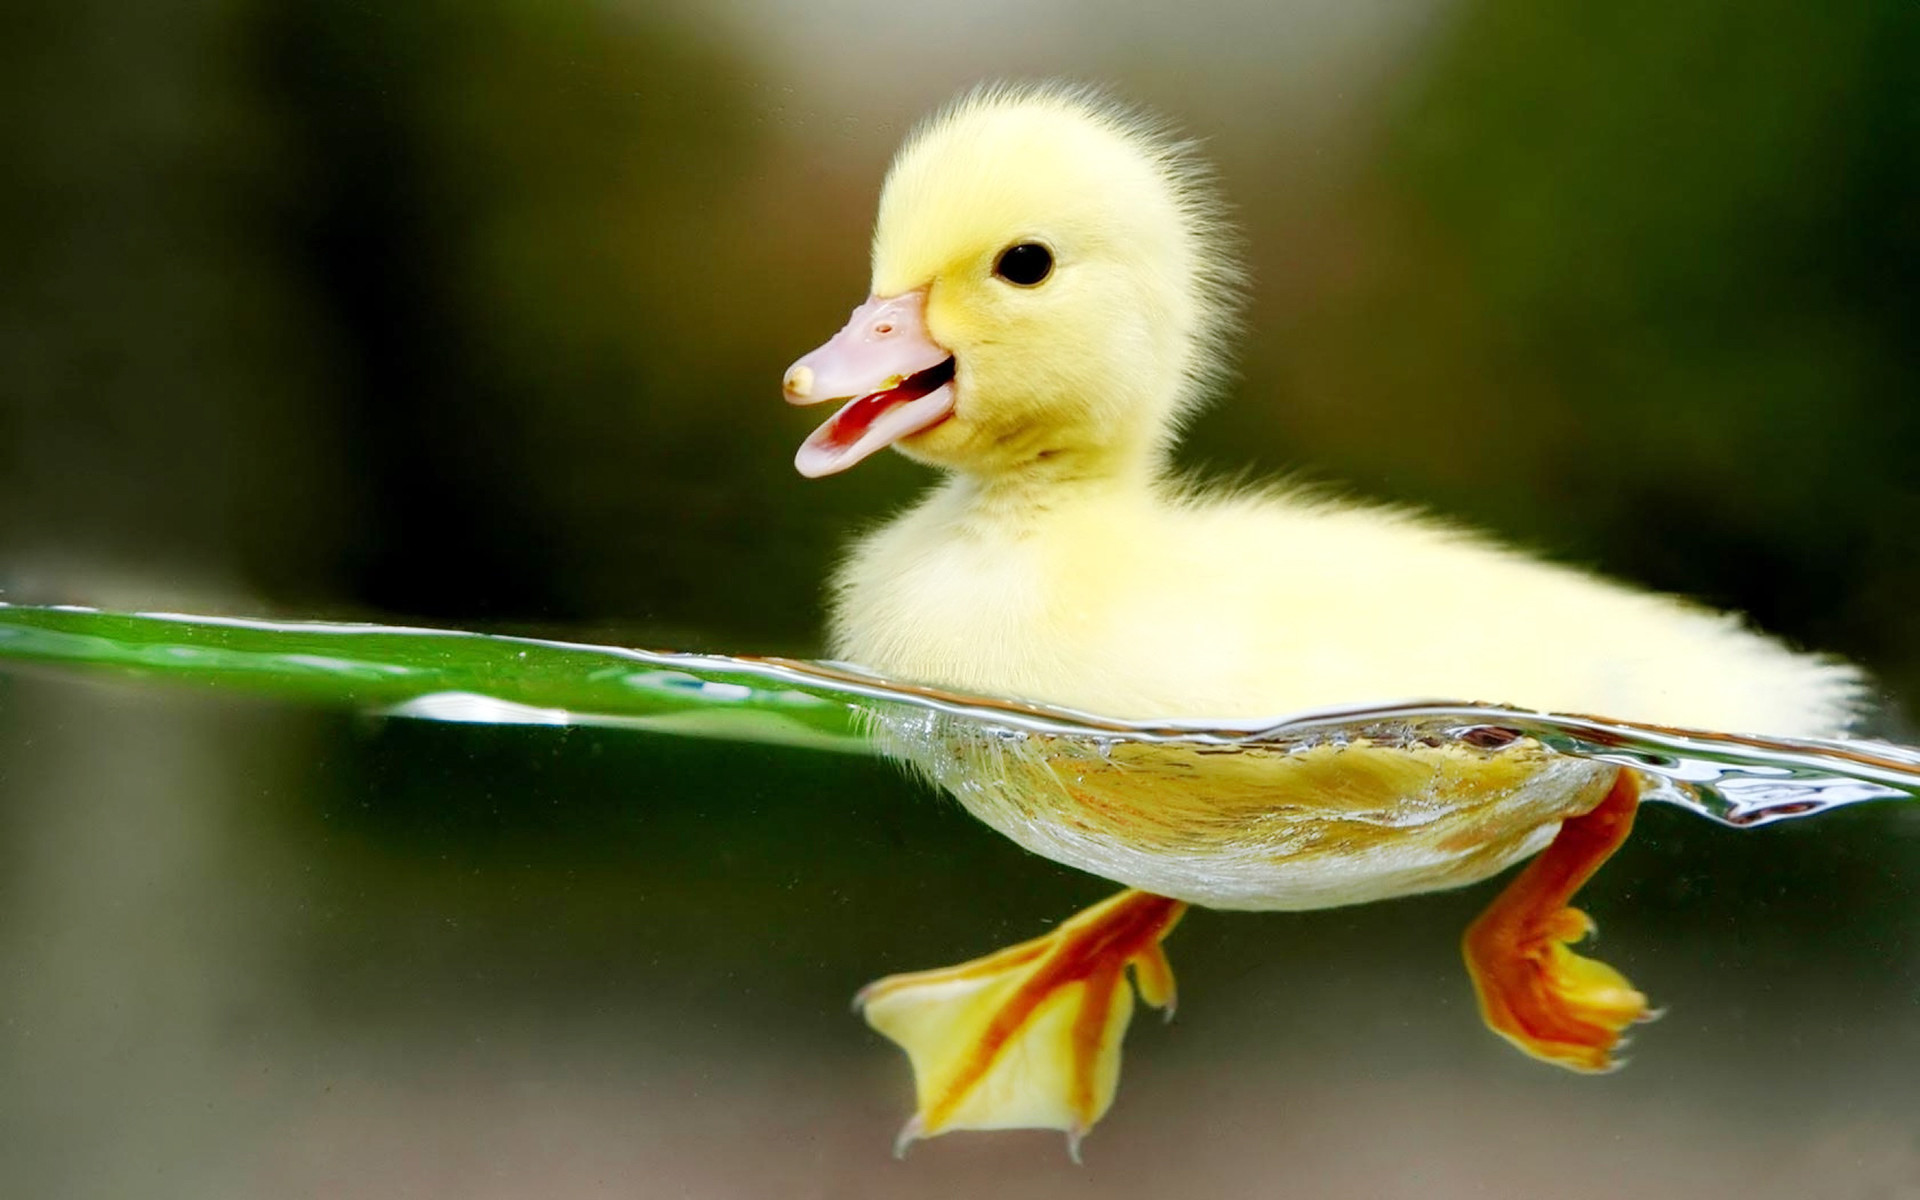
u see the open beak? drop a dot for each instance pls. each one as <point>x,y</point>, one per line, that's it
<point>895,379</point>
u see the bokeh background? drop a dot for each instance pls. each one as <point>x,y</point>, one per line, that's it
<point>474,312</point>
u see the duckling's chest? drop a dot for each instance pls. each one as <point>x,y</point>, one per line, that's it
<point>928,600</point>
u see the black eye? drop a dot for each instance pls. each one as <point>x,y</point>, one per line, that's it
<point>1026,264</point>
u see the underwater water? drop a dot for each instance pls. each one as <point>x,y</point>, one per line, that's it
<point>262,940</point>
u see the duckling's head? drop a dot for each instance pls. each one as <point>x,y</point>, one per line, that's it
<point>1051,283</point>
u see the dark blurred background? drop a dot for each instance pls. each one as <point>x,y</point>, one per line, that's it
<point>474,313</point>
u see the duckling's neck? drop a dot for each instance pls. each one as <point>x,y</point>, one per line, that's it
<point>1020,498</point>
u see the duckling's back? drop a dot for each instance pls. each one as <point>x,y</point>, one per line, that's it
<point>1138,602</point>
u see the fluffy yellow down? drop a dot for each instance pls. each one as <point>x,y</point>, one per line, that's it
<point>1058,562</point>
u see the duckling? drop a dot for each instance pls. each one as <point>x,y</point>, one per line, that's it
<point>1053,284</point>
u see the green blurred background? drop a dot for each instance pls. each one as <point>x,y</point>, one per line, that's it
<point>474,313</point>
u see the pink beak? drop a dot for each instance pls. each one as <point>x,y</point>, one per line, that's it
<point>895,379</point>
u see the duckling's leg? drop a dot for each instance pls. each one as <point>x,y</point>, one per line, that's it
<point>1028,1038</point>
<point>1534,991</point>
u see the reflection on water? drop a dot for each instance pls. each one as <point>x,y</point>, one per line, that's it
<point>1738,779</point>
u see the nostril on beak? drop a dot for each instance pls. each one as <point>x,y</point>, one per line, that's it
<point>799,382</point>
<point>883,328</point>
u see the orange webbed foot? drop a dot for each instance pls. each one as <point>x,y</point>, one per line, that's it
<point>1554,1004</point>
<point>1558,1006</point>
<point>1028,1038</point>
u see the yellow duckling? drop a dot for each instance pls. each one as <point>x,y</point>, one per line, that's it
<point>1052,281</point>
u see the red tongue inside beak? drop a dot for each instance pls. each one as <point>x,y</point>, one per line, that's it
<point>851,423</point>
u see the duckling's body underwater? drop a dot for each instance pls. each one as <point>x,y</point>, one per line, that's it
<point>1053,281</point>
